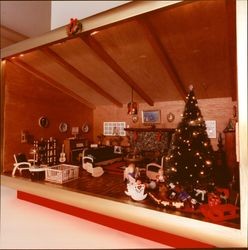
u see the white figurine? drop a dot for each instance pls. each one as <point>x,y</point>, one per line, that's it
<point>136,190</point>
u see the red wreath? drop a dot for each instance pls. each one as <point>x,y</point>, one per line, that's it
<point>73,27</point>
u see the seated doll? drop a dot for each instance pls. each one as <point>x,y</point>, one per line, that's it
<point>130,173</point>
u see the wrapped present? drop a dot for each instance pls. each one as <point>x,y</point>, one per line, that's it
<point>183,196</point>
<point>213,199</point>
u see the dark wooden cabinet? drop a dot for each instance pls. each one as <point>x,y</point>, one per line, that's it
<point>74,150</point>
<point>231,159</point>
<point>230,148</point>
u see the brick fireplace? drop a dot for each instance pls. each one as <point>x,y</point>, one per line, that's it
<point>151,142</point>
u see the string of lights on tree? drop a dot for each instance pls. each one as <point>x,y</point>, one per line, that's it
<point>191,156</point>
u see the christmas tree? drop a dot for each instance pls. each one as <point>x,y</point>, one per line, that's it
<point>190,158</point>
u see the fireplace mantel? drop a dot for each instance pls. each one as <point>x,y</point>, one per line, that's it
<point>151,129</point>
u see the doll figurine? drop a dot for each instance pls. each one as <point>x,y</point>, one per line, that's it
<point>130,173</point>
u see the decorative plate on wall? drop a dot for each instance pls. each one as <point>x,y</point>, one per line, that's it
<point>43,122</point>
<point>85,128</point>
<point>63,127</point>
<point>170,117</point>
<point>135,118</point>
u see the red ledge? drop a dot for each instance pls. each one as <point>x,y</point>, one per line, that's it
<point>121,225</point>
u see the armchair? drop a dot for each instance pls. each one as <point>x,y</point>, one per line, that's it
<point>21,163</point>
<point>152,170</point>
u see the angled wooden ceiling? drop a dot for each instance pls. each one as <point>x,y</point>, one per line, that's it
<point>157,54</point>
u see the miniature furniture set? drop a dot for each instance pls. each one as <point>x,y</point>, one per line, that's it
<point>45,167</point>
<point>61,173</point>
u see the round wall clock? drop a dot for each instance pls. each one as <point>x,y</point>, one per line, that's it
<point>43,122</point>
<point>85,128</point>
<point>63,127</point>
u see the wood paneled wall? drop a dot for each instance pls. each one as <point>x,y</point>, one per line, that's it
<point>26,100</point>
<point>219,109</point>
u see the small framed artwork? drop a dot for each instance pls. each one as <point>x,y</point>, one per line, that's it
<point>151,117</point>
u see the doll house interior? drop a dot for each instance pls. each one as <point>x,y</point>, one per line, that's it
<point>113,106</point>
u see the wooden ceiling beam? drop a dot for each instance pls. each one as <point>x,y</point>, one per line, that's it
<point>57,85</point>
<point>162,54</point>
<point>80,76</point>
<point>131,9</point>
<point>101,52</point>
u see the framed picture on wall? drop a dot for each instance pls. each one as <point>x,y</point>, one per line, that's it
<point>151,117</point>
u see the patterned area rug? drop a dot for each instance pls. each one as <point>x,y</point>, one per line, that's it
<point>115,168</point>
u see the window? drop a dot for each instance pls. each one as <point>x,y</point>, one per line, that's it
<point>114,128</point>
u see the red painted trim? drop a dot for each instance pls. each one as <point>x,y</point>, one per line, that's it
<point>125,226</point>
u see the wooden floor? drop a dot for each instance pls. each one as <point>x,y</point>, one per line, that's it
<point>112,186</point>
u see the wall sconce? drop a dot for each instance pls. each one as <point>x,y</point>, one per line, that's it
<point>24,136</point>
<point>132,107</point>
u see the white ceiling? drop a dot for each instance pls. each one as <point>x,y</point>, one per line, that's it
<point>34,18</point>
<point>62,11</point>
<point>30,18</point>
